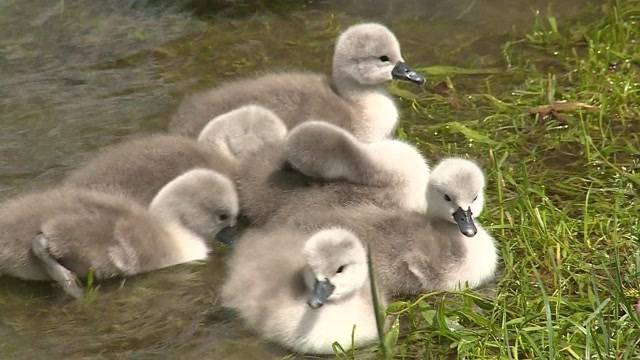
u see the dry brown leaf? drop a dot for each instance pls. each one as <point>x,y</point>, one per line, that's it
<point>556,109</point>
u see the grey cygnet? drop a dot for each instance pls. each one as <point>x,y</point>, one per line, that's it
<point>414,252</point>
<point>320,165</point>
<point>366,56</point>
<point>302,290</point>
<point>62,233</point>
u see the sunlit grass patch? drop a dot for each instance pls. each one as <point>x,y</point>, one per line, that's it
<point>561,148</point>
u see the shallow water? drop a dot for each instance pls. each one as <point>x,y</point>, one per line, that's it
<point>78,75</point>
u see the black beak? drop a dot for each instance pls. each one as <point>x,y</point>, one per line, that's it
<point>321,292</point>
<point>464,219</point>
<point>227,235</point>
<point>402,71</point>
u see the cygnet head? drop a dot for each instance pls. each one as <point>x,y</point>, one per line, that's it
<point>336,265</point>
<point>202,201</point>
<point>241,132</point>
<point>455,193</point>
<point>369,55</point>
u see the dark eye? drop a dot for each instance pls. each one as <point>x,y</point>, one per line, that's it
<point>384,58</point>
<point>340,269</point>
<point>223,217</point>
<point>446,197</point>
<point>475,198</point>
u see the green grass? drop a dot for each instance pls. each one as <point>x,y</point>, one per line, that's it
<point>562,190</point>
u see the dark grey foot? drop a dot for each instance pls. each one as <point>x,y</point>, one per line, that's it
<point>65,277</point>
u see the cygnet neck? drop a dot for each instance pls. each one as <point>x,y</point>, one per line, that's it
<point>347,87</point>
<point>161,209</point>
<point>435,218</point>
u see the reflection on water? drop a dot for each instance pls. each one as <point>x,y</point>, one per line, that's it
<point>63,89</point>
<point>77,75</point>
<point>172,313</point>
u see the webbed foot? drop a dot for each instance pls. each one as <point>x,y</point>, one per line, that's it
<point>63,276</point>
